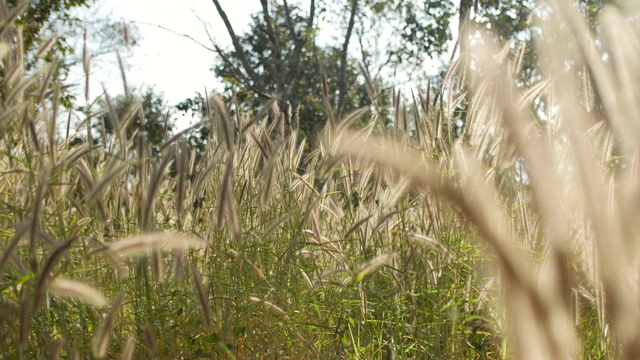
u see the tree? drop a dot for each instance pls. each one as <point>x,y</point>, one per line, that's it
<point>279,58</point>
<point>281,55</point>
<point>143,113</point>
<point>40,21</point>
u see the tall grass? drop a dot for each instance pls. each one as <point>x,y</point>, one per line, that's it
<point>513,239</point>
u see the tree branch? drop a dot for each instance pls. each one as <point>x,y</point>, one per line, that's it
<point>187,36</point>
<point>238,47</point>
<point>342,81</point>
<point>237,72</point>
<point>277,52</point>
<point>292,78</point>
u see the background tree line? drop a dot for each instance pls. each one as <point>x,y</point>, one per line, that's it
<point>310,56</point>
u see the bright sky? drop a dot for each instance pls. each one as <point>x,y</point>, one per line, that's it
<point>176,65</point>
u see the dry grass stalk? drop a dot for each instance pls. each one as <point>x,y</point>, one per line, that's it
<point>13,245</point>
<point>475,201</point>
<point>271,306</point>
<point>46,271</point>
<point>371,266</point>
<point>226,203</point>
<point>227,126</point>
<point>56,350</point>
<point>156,265</point>
<point>256,270</point>
<point>202,296</point>
<point>181,164</point>
<point>106,180</point>
<point>147,207</point>
<point>129,348</point>
<point>38,203</point>
<point>102,338</point>
<point>150,338</point>
<point>179,254</point>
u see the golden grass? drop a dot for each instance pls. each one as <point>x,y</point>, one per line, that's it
<point>567,186</point>
<point>78,290</point>
<point>515,238</point>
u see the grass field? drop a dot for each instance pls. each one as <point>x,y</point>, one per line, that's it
<point>409,239</point>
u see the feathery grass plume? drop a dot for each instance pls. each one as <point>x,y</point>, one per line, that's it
<point>147,209</point>
<point>103,336</point>
<point>275,112</point>
<point>541,161</point>
<point>129,348</point>
<point>308,281</point>
<point>46,46</point>
<point>253,266</point>
<point>85,173</point>
<point>52,124</point>
<point>16,11</point>
<point>614,238</point>
<point>262,149</point>
<point>78,290</point>
<point>226,203</point>
<point>38,200</point>
<point>46,273</point>
<point>279,121</point>
<point>142,244</point>
<point>15,73</point>
<point>227,125</point>
<point>106,180</point>
<point>56,350</point>
<point>156,265</point>
<point>31,125</point>
<point>5,50</point>
<point>48,70</point>
<point>371,266</point>
<point>270,305</point>
<point>431,242</point>
<point>123,73</point>
<point>474,201</point>
<point>201,296</point>
<point>150,337</point>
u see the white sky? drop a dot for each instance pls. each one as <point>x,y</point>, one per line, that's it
<point>174,64</point>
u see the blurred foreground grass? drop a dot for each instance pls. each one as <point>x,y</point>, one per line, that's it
<point>514,237</point>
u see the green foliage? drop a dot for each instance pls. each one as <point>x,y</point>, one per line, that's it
<point>37,22</point>
<point>301,88</point>
<point>43,20</point>
<point>143,112</point>
<point>196,107</point>
<point>422,27</point>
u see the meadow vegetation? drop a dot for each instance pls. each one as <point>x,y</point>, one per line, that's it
<point>512,236</point>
